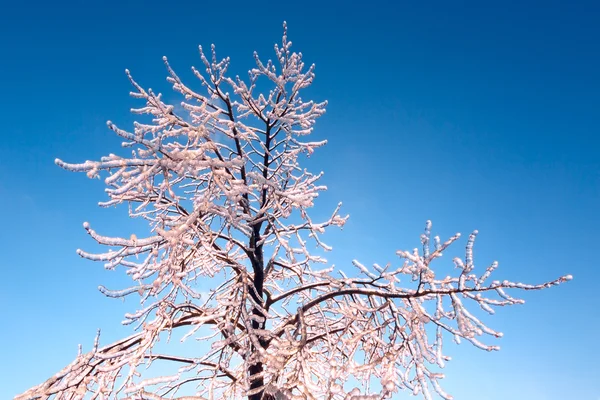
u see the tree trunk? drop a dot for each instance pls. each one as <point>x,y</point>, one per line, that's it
<point>256,292</point>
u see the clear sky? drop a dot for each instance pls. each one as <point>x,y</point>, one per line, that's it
<point>476,115</point>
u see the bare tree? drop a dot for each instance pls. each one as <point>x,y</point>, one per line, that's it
<point>219,181</point>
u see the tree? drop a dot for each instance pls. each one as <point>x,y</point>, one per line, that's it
<point>219,181</point>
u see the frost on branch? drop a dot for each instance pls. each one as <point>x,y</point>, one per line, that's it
<point>218,179</point>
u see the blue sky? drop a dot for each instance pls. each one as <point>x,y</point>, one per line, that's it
<point>476,115</point>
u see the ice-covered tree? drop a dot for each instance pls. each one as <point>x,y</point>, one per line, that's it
<point>218,178</point>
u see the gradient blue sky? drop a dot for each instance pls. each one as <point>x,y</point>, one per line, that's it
<point>477,115</point>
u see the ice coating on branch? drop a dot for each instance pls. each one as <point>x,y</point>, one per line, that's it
<point>218,178</point>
